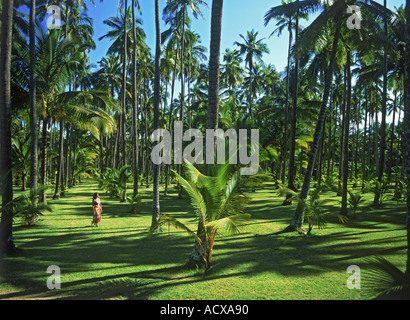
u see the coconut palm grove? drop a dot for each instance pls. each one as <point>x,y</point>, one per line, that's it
<point>153,150</point>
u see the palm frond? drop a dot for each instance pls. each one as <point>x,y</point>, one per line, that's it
<point>382,279</point>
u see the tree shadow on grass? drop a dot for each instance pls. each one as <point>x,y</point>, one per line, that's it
<point>121,261</point>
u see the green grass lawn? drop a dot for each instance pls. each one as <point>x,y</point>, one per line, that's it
<point>119,261</point>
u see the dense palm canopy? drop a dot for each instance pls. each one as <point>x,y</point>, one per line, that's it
<point>335,120</point>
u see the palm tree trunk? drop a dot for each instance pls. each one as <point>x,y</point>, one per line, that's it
<point>6,225</point>
<point>33,105</point>
<point>215,49</point>
<point>285,134</point>
<point>181,115</point>
<point>60,162</point>
<point>157,81</point>
<point>135,104</point>
<point>195,258</point>
<point>406,157</point>
<point>43,196</point>
<point>346,136</point>
<point>124,92</point>
<point>297,221</point>
<point>384,107</point>
<point>292,168</point>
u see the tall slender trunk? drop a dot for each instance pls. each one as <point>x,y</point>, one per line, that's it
<point>406,157</point>
<point>135,104</point>
<point>195,257</point>
<point>384,109</point>
<point>292,168</point>
<point>346,136</point>
<point>6,225</point>
<point>297,221</point>
<point>124,93</point>
<point>60,162</point>
<point>285,133</point>
<point>181,114</point>
<point>364,158</point>
<point>33,104</point>
<point>157,82</point>
<point>43,196</point>
<point>213,92</point>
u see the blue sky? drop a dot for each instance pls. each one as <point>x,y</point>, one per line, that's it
<point>238,17</point>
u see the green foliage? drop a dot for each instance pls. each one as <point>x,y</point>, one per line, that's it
<point>25,206</point>
<point>114,181</point>
<point>217,203</point>
<point>354,200</point>
<point>136,203</point>
<point>313,208</point>
<point>400,191</point>
<point>385,281</point>
<point>380,190</point>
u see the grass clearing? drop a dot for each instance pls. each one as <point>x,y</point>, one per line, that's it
<point>118,260</point>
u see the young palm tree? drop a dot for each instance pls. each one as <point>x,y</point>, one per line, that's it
<point>218,207</point>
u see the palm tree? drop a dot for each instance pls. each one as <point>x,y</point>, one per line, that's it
<point>290,22</point>
<point>407,128</point>
<point>232,72</point>
<point>218,207</point>
<point>6,224</point>
<point>180,8</point>
<point>135,142</point>
<point>213,91</point>
<point>333,13</point>
<point>157,82</point>
<point>33,104</point>
<point>253,49</point>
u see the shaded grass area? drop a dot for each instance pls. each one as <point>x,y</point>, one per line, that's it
<point>119,261</point>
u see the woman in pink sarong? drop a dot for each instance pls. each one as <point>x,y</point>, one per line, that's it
<point>97,209</point>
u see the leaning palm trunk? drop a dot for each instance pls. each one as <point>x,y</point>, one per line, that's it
<point>297,221</point>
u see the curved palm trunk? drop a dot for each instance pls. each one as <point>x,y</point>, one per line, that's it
<point>297,221</point>
<point>6,225</point>
<point>156,167</point>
